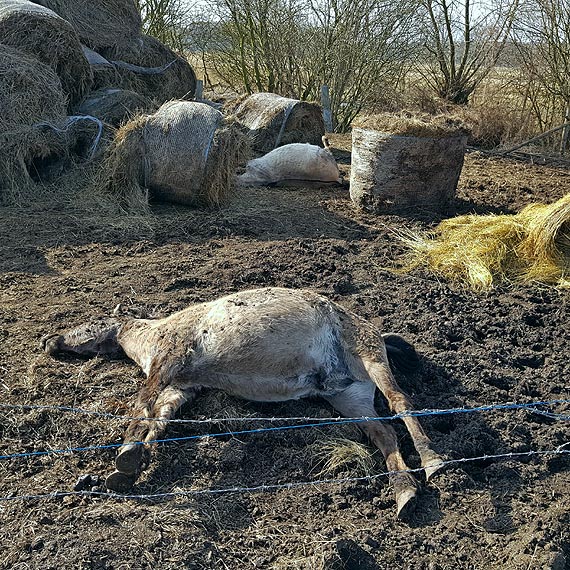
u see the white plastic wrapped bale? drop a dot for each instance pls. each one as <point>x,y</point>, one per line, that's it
<point>292,164</point>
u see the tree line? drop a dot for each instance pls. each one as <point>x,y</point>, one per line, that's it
<point>366,51</point>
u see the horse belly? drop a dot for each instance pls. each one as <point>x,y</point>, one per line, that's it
<point>263,389</point>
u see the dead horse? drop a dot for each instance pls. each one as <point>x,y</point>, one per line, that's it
<point>269,344</point>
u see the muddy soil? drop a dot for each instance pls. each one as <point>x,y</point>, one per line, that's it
<point>59,267</point>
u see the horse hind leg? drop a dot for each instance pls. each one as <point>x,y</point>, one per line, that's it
<point>358,400</point>
<point>380,374</point>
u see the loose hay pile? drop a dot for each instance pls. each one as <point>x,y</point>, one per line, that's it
<point>150,68</point>
<point>402,162</point>
<point>481,251</point>
<point>100,23</point>
<point>184,153</point>
<point>30,94</point>
<point>274,121</point>
<point>41,33</point>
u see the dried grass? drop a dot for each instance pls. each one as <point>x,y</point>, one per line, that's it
<point>41,33</point>
<point>101,23</point>
<point>413,125</point>
<point>481,251</point>
<point>341,454</point>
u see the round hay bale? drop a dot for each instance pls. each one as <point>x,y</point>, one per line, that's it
<point>29,91</point>
<point>114,106</point>
<point>185,153</point>
<point>100,23</point>
<point>104,72</point>
<point>40,32</point>
<point>274,121</point>
<point>401,162</point>
<point>152,69</point>
<point>30,94</point>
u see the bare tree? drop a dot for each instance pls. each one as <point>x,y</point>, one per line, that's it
<point>543,41</point>
<point>165,20</point>
<point>464,42</point>
<point>292,47</point>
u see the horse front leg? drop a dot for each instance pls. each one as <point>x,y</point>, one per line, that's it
<point>133,456</point>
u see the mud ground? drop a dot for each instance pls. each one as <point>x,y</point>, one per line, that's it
<point>60,266</point>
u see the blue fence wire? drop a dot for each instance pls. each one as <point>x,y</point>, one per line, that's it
<point>322,422</point>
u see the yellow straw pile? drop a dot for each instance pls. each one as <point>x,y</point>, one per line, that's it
<point>481,251</point>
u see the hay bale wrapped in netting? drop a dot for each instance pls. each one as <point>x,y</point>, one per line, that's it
<point>400,162</point>
<point>185,153</point>
<point>30,93</point>
<point>114,106</point>
<point>40,153</point>
<point>150,68</point>
<point>40,32</point>
<point>104,72</point>
<point>273,121</point>
<point>481,251</point>
<point>100,23</point>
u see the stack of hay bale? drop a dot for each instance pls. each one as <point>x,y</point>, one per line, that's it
<point>57,87</point>
<point>30,94</point>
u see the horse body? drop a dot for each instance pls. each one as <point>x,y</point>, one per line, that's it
<point>269,344</point>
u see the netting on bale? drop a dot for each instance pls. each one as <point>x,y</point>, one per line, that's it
<point>150,68</point>
<point>184,153</point>
<point>40,32</point>
<point>273,121</point>
<point>402,162</point>
<point>100,23</point>
<point>104,72</point>
<point>30,93</point>
<point>482,251</point>
<point>114,106</point>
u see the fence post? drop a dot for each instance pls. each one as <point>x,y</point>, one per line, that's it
<point>326,104</point>
<point>565,131</point>
<point>199,90</point>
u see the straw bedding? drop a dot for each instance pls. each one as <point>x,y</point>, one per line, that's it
<point>41,33</point>
<point>273,121</point>
<point>482,251</point>
<point>184,153</point>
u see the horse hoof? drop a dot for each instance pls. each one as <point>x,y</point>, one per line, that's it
<point>132,459</point>
<point>406,503</point>
<point>120,482</point>
<point>432,466</point>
